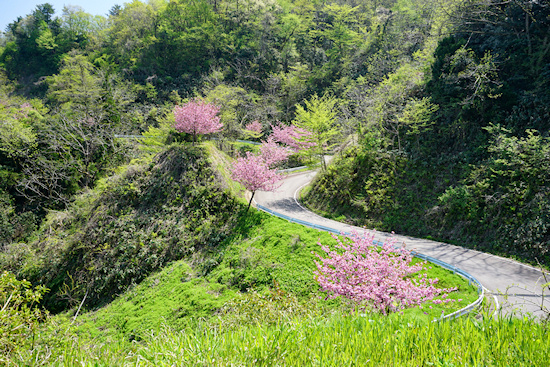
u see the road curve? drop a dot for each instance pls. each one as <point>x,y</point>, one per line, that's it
<point>515,286</point>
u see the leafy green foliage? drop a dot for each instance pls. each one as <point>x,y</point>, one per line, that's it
<point>18,143</point>
<point>507,196</point>
<point>364,181</point>
<point>19,315</point>
<point>319,119</point>
<point>460,177</point>
<point>373,340</point>
<point>133,224</point>
<point>416,109</point>
<point>38,41</point>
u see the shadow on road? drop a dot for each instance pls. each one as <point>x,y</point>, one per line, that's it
<point>287,205</point>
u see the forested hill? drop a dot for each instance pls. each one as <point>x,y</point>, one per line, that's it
<point>442,105</point>
<point>462,155</point>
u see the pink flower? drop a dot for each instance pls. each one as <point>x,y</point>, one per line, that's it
<point>254,174</point>
<point>272,153</point>
<point>255,127</point>
<point>292,136</point>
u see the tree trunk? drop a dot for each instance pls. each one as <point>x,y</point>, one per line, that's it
<point>250,202</point>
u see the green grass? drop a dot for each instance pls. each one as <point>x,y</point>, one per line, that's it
<point>221,162</point>
<point>337,340</point>
<point>268,262</point>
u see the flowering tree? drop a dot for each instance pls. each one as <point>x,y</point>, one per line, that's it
<point>272,153</point>
<point>197,117</point>
<point>292,136</point>
<point>253,172</point>
<point>379,277</point>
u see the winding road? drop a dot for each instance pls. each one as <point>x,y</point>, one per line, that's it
<point>513,286</point>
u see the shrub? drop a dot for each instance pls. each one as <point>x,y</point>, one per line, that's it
<point>19,316</point>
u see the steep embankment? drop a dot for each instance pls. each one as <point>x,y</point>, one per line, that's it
<point>501,207</point>
<point>152,212</point>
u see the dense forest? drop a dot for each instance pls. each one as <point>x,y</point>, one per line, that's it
<point>437,111</point>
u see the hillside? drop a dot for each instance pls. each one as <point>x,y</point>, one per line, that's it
<point>460,153</point>
<point>153,211</point>
<point>162,246</point>
<point>125,240</point>
<point>445,102</point>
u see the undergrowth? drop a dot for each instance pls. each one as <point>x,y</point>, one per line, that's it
<point>337,340</point>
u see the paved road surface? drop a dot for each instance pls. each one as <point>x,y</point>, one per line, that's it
<point>498,275</point>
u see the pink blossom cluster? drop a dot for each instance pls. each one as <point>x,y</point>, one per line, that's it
<point>197,117</point>
<point>254,126</point>
<point>373,276</point>
<point>257,172</point>
<point>254,173</point>
<point>273,153</point>
<point>292,136</point>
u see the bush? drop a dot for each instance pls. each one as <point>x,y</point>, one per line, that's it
<point>19,315</point>
<point>504,204</point>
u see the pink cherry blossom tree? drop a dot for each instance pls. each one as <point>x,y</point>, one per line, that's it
<point>368,275</point>
<point>254,129</point>
<point>273,153</point>
<point>254,174</point>
<point>292,136</point>
<point>197,117</point>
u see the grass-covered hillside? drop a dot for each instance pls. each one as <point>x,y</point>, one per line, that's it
<point>163,246</point>
<point>158,209</point>
<point>151,212</point>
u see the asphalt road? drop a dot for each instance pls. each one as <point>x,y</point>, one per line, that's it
<point>512,285</point>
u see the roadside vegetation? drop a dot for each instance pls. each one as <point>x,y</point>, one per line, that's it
<point>449,148</point>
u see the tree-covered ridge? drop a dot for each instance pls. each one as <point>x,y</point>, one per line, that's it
<point>96,77</point>
<point>175,44</point>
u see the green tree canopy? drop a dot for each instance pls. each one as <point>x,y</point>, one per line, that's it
<point>319,118</point>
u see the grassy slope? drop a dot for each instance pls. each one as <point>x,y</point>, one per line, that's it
<point>152,212</point>
<point>257,276</point>
<point>260,252</point>
<point>319,341</point>
<point>271,254</point>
